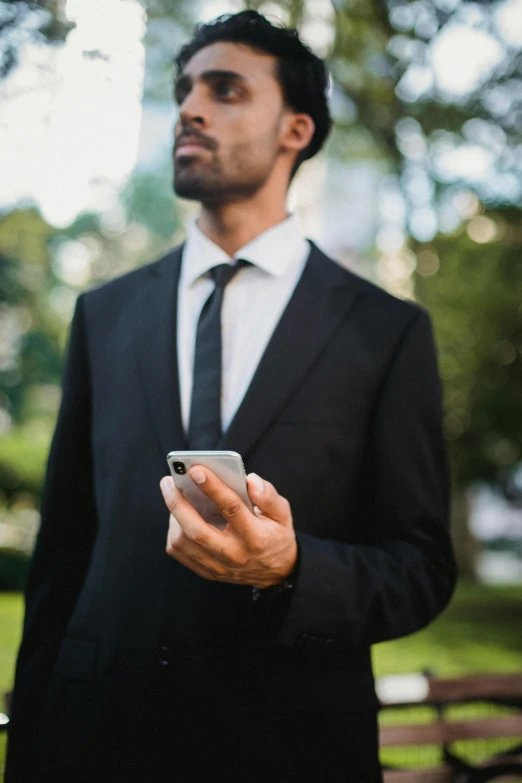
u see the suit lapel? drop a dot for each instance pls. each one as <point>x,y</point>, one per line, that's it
<point>155,342</point>
<point>320,303</point>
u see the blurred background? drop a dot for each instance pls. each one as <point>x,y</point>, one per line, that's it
<point>419,189</point>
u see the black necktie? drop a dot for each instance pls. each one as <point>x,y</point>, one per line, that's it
<point>205,409</point>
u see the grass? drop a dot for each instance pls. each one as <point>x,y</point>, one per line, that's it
<point>11,615</point>
<point>479,632</point>
<point>11,611</point>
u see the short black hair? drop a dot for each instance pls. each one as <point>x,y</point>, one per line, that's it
<point>302,74</point>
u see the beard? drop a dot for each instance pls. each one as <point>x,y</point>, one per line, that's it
<point>210,183</point>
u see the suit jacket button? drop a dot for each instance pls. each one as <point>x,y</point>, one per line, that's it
<point>302,641</point>
<point>164,655</point>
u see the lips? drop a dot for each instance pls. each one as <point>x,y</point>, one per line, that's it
<point>190,145</point>
<point>189,148</point>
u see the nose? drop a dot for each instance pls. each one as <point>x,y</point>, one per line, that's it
<point>192,110</point>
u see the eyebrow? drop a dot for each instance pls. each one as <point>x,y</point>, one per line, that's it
<point>185,80</point>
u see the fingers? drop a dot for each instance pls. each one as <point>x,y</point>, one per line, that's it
<point>192,524</point>
<point>203,562</point>
<point>185,552</point>
<point>264,495</point>
<point>191,540</point>
<point>228,502</point>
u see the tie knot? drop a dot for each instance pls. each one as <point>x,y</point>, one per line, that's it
<point>222,274</point>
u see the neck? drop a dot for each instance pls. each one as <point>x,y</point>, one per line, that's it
<point>232,226</point>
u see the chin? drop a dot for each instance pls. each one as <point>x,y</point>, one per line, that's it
<point>212,190</point>
<point>187,192</point>
<point>198,191</point>
<point>187,184</point>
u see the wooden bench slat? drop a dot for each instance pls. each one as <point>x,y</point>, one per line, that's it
<point>411,734</point>
<point>476,687</point>
<point>434,775</point>
<point>444,775</point>
<point>439,733</point>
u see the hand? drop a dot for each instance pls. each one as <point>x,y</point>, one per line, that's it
<point>253,549</point>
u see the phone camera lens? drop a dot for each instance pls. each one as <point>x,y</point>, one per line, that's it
<point>179,468</point>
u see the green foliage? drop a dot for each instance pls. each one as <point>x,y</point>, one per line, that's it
<point>14,566</point>
<point>33,330</point>
<point>22,464</point>
<point>149,202</point>
<point>475,298</point>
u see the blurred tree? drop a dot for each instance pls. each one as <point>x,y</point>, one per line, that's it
<point>33,324</point>
<point>26,20</point>
<point>148,201</point>
<point>169,25</point>
<point>472,283</point>
<point>31,318</point>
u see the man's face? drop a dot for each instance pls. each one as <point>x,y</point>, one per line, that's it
<point>227,137</point>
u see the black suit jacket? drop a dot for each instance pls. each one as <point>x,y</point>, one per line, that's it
<point>343,415</point>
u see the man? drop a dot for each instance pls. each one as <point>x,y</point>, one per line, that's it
<point>242,654</point>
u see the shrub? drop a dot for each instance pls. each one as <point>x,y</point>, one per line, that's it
<point>14,565</point>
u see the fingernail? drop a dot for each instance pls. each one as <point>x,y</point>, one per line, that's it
<point>167,485</point>
<point>198,476</point>
<point>257,482</point>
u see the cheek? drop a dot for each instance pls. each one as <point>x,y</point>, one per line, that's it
<point>254,143</point>
<point>259,126</point>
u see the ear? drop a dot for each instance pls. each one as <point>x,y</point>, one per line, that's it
<point>298,131</point>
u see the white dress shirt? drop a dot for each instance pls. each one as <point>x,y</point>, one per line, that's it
<point>253,303</point>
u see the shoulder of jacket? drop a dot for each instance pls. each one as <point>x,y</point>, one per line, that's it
<point>390,303</point>
<point>374,296</point>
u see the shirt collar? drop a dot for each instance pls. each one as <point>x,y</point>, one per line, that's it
<point>274,251</point>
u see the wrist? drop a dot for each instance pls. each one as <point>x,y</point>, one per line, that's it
<point>284,586</point>
<point>291,568</point>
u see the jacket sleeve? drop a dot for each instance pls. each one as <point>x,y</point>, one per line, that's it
<point>62,552</point>
<point>403,572</point>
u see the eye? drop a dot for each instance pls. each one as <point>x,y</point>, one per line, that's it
<point>180,96</point>
<point>225,90</point>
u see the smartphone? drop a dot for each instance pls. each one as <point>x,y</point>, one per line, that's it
<point>227,465</point>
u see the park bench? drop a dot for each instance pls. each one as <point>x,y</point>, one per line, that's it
<point>484,708</point>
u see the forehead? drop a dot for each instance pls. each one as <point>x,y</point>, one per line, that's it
<point>255,66</point>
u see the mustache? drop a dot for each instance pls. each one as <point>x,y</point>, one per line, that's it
<point>195,135</point>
